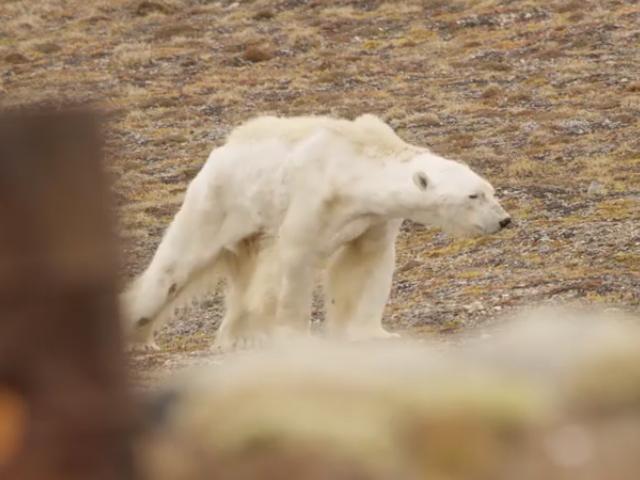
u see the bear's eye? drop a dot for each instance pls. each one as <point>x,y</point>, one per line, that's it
<point>474,196</point>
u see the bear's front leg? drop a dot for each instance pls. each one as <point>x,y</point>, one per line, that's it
<point>358,283</point>
<point>296,255</point>
<point>293,313</point>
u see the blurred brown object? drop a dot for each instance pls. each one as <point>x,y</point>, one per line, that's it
<point>62,372</point>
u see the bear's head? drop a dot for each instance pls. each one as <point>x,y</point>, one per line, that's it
<point>450,196</point>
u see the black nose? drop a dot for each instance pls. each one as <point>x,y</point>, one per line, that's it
<point>505,222</point>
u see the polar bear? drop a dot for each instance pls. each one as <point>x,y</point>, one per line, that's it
<point>284,195</point>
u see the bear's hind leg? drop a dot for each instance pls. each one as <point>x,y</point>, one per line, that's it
<point>235,329</point>
<point>251,297</point>
<point>190,247</point>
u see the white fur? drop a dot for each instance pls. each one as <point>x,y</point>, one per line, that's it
<point>284,194</point>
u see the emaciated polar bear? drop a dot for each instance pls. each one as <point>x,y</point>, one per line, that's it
<point>283,194</point>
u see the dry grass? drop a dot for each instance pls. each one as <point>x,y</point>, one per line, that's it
<point>541,97</point>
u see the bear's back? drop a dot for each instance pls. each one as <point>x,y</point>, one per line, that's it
<point>366,131</point>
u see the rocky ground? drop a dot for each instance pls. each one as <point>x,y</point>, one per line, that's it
<point>543,98</point>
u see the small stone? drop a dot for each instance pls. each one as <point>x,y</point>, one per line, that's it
<point>529,127</point>
<point>264,15</point>
<point>146,8</point>
<point>574,126</point>
<point>411,264</point>
<point>15,58</point>
<point>257,54</point>
<point>176,138</point>
<point>474,307</point>
<point>175,30</point>
<point>48,47</point>
<point>595,188</point>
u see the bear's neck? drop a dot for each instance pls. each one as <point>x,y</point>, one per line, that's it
<point>389,193</point>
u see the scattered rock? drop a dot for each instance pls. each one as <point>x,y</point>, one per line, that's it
<point>146,8</point>
<point>582,127</point>
<point>474,307</point>
<point>97,19</point>
<point>529,127</point>
<point>264,15</point>
<point>257,54</point>
<point>595,188</point>
<point>159,102</point>
<point>411,264</point>
<point>15,58</point>
<point>502,20</point>
<point>188,62</point>
<point>175,139</point>
<point>574,127</point>
<point>491,92</point>
<point>498,66</point>
<point>181,29</point>
<point>48,47</point>
<point>633,87</point>
<point>429,119</point>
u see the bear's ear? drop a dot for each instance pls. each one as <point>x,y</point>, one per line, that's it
<point>421,180</point>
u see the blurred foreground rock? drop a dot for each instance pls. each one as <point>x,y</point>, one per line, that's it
<point>555,395</point>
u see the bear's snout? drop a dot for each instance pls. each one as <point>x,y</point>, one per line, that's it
<point>505,222</point>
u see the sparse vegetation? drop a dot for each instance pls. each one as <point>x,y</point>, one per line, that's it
<point>541,97</point>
